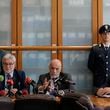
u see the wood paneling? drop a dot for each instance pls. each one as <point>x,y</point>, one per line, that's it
<point>94,21</point>
<point>54,27</point>
<point>56,46</point>
<point>42,48</point>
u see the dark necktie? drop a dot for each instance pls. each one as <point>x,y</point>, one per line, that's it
<point>8,76</point>
<point>106,48</point>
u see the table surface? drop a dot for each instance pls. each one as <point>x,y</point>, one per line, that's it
<point>102,102</point>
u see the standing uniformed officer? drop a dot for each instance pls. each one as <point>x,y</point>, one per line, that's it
<point>99,58</point>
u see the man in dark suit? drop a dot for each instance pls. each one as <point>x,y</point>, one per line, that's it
<point>59,84</point>
<point>99,59</point>
<point>12,80</point>
<point>55,81</point>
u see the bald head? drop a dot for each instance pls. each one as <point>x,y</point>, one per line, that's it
<point>55,67</point>
<point>55,62</point>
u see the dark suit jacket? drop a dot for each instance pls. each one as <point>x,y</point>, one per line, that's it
<point>62,83</point>
<point>18,78</point>
<point>99,64</point>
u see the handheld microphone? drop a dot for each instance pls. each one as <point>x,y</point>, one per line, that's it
<point>1,78</point>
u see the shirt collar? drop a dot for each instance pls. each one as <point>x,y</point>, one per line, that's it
<point>106,45</point>
<point>10,74</point>
<point>54,76</point>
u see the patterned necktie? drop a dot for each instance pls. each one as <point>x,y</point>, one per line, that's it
<point>8,76</point>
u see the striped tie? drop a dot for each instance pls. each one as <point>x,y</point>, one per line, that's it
<point>8,76</point>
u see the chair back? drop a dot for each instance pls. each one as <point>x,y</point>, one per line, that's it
<point>76,101</point>
<point>36,102</point>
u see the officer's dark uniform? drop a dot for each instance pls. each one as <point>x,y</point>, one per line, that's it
<point>99,61</point>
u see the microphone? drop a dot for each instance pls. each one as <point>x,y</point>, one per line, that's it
<point>1,78</point>
<point>3,93</point>
<point>58,79</point>
<point>24,92</point>
<point>70,82</point>
<point>10,82</point>
<point>9,86</point>
<point>20,93</point>
<point>65,81</point>
<point>29,81</point>
<point>61,92</point>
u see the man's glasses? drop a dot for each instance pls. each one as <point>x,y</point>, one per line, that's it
<point>6,64</point>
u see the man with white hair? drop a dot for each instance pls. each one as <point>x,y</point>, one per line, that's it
<point>55,81</point>
<point>13,80</point>
<point>59,84</point>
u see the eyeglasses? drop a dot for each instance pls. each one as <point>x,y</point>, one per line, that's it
<point>10,64</point>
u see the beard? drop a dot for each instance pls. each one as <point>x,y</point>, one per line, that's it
<point>54,75</point>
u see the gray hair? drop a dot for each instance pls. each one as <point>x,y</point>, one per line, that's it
<point>9,56</point>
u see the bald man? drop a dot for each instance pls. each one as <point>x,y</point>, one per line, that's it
<point>55,81</point>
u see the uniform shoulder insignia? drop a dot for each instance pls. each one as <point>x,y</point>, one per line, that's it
<point>96,45</point>
<point>99,45</point>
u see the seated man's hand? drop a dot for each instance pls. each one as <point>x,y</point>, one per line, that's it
<point>107,90</point>
<point>103,91</point>
<point>45,85</point>
<point>100,92</point>
<point>14,90</point>
<point>41,88</point>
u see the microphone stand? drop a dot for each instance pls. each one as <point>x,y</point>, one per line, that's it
<point>9,86</point>
<point>33,83</point>
<point>59,81</point>
<point>9,91</point>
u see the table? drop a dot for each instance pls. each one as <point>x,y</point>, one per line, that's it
<point>98,101</point>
